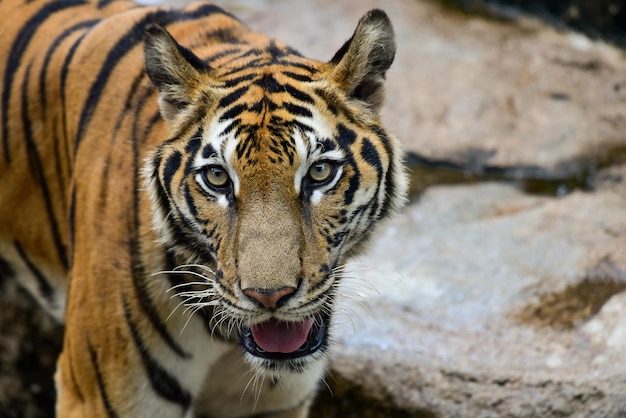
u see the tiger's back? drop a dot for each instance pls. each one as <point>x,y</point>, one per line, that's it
<point>187,209</point>
<point>61,57</point>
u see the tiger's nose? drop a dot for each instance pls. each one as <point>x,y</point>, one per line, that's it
<point>270,298</point>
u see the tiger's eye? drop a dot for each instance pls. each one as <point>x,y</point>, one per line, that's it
<point>216,176</point>
<point>321,171</point>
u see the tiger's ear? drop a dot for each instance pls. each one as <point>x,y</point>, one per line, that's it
<point>361,63</point>
<point>173,69</point>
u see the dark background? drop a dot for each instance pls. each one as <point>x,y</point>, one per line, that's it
<point>599,19</point>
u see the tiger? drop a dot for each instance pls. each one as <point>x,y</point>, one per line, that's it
<point>183,193</point>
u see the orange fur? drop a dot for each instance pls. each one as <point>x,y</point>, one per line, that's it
<point>105,198</point>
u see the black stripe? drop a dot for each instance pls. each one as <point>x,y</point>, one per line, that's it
<point>146,304</point>
<point>300,65</point>
<point>234,124</point>
<point>35,165</point>
<point>123,46</point>
<point>72,227</point>
<point>233,111</point>
<point>164,384</point>
<point>297,110</point>
<point>63,79</point>
<point>104,3</point>
<point>103,195</point>
<point>329,99</point>
<point>232,97</point>
<point>275,51</point>
<point>18,49</point>
<point>170,262</point>
<point>45,288</point>
<point>252,52</point>
<point>270,84</point>
<point>244,147</point>
<point>209,9</point>
<point>152,121</point>
<point>61,172</point>
<point>221,54</point>
<point>390,181</point>
<point>68,352</point>
<point>123,114</point>
<point>327,144</point>
<point>353,183</point>
<point>138,272</point>
<point>208,151</point>
<point>193,146</point>
<point>297,94</point>
<point>258,107</point>
<point>345,136</point>
<point>185,234</point>
<point>223,36</point>
<point>140,135</point>
<point>51,50</point>
<point>6,271</point>
<point>370,155</point>
<point>172,164</point>
<point>257,62</point>
<point>126,43</point>
<point>234,81</point>
<point>322,283</point>
<point>191,150</point>
<point>302,126</point>
<point>190,203</point>
<point>289,151</point>
<point>296,76</point>
<point>101,386</point>
<point>127,103</point>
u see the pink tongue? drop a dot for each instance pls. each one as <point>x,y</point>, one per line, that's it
<point>281,337</point>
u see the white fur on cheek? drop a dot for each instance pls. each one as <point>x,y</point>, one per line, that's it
<point>302,149</point>
<point>230,148</point>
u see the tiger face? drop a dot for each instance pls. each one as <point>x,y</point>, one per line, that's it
<point>276,171</point>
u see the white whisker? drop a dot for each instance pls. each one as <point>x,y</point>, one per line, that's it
<point>193,273</point>
<point>188,284</point>
<point>327,372</point>
<point>253,378</point>
<point>174,310</point>
<point>200,266</point>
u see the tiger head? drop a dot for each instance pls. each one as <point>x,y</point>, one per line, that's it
<point>276,171</point>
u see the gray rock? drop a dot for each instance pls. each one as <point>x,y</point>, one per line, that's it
<point>486,302</point>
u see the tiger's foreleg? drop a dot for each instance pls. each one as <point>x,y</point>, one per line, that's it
<point>123,357</point>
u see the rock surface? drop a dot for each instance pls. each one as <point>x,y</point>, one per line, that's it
<point>493,303</point>
<point>480,300</point>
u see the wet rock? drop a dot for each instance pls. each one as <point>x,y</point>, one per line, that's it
<point>487,302</point>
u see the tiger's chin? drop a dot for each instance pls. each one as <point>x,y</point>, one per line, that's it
<point>277,347</point>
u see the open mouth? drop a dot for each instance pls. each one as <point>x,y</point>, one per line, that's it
<point>279,340</point>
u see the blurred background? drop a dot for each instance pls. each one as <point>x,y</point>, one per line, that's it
<point>499,291</point>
